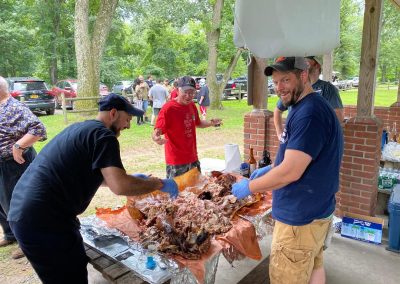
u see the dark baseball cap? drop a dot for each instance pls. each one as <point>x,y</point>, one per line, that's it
<point>186,83</point>
<point>119,103</point>
<point>284,64</point>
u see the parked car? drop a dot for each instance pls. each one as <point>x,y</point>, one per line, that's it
<point>197,80</point>
<point>271,87</point>
<point>235,88</point>
<point>120,86</point>
<point>355,81</point>
<point>33,92</point>
<point>103,90</point>
<point>70,87</point>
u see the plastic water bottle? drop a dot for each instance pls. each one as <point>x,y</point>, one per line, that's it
<point>150,262</point>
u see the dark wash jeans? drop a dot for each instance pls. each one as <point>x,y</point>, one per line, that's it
<point>57,255</point>
<point>10,172</point>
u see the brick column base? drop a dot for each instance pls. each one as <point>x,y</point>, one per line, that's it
<point>360,166</point>
<point>259,130</point>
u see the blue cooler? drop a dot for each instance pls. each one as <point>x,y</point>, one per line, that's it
<point>394,220</point>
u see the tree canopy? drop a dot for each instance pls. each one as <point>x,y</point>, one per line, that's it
<point>164,38</point>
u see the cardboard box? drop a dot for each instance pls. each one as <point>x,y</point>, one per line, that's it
<point>363,228</point>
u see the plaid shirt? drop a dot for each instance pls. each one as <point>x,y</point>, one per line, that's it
<point>16,120</point>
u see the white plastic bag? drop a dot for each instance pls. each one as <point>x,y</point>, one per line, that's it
<point>232,158</point>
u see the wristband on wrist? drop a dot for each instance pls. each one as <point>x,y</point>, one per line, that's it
<point>17,146</point>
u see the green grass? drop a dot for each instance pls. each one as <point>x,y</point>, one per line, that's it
<point>383,96</point>
<point>232,115</point>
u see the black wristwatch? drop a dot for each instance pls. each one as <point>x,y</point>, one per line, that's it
<point>17,146</point>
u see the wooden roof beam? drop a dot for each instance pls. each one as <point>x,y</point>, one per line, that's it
<point>369,57</point>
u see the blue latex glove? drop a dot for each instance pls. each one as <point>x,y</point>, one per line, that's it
<point>260,172</point>
<point>241,189</point>
<point>170,186</point>
<point>143,176</point>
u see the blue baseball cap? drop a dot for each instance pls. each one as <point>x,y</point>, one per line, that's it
<point>119,103</point>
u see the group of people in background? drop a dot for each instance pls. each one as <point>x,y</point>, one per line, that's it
<point>156,93</point>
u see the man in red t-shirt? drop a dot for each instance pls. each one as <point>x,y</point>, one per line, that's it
<point>177,121</point>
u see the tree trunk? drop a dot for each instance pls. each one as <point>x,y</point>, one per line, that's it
<point>398,87</point>
<point>89,48</point>
<point>54,53</point>
<point>213,36</point>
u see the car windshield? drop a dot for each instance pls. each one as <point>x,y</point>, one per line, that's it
<point>29,86</point>
<point>74,86</point>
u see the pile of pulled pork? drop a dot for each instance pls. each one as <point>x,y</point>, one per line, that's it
<point>185,225</point>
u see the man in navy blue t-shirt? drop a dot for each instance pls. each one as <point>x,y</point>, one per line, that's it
<point>304,178</point>
<point>324,88</point>
<point>61,182</point>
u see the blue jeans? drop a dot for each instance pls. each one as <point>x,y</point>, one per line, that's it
<point>57,255</point>
<point>10,172</point>
<point>145,106</point>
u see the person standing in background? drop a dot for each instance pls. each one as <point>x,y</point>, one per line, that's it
<point>167,85</point>
<point>149,81</point>
<point>174,91</point>
<point>159,95</point>
<point>137,101</point>
<point>142,89</point>
<point>19,130</point>
<point>177,121</point>
<point>203,98</point>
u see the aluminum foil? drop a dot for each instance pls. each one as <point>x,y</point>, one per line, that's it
<point>112,243</point>
<point>185,276</point>
<point>391,152</point>
<point>263,223</point>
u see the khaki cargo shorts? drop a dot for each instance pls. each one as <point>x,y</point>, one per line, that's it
<point>296,251</point>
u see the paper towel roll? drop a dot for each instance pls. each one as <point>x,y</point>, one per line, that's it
<point>232,158</point>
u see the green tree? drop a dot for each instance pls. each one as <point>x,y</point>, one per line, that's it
<point>389,55</point>
<point>90,41</point>
<point>347,55</point>
<point>18,46</point>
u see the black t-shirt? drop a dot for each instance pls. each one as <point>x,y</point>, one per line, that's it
<point>62,180</point>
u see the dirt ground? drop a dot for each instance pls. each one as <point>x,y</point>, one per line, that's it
<point>146,157</point>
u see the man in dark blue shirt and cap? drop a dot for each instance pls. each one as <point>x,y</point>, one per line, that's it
<point>61,182</point>
<point>304,178</point>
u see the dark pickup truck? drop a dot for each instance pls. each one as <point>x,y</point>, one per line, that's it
<point>235,88</point>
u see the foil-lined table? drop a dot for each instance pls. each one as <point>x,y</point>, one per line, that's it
<point>119,258</point>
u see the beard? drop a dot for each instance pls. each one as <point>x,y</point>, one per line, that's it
<point>115,130</point>
<point>295,95</point>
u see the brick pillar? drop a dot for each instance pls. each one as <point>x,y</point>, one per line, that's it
<point>259,130</point>
<point>360,167</point>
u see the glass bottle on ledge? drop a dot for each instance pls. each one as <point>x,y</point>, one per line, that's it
<point>265,160</point>
<point>252,161</point>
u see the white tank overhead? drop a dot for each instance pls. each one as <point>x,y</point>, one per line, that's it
<point>271,28</point>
